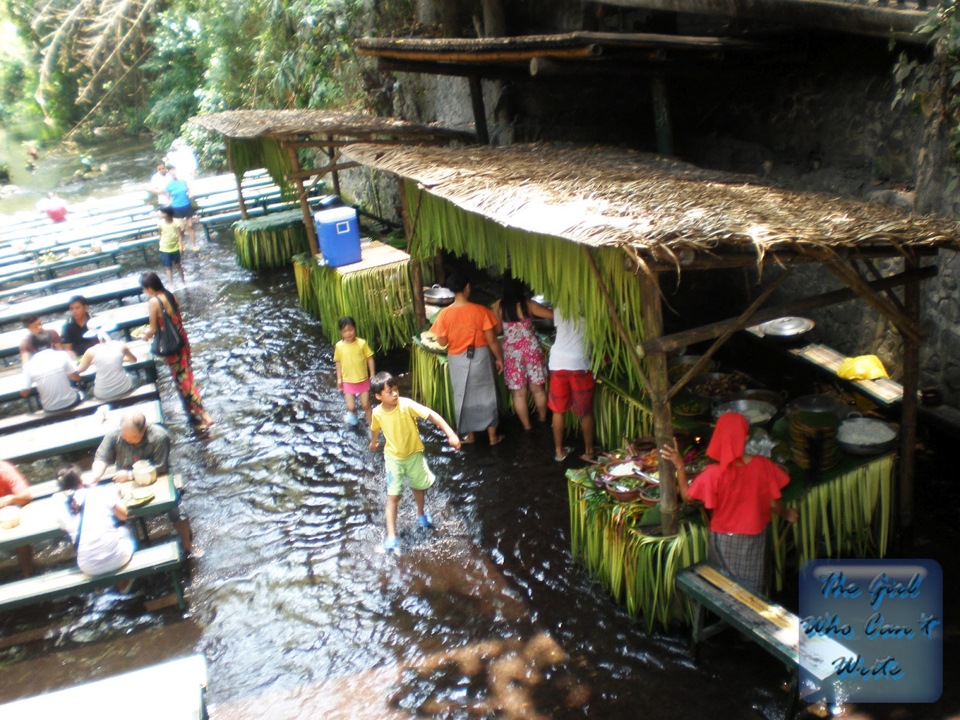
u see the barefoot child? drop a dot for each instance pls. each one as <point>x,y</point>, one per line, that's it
<point>171,244</point>
<point>354,361</point>
<point>403,450</point>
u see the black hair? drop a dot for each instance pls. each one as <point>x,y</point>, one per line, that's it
<point>40,341</point>
<point>79,299</point>
<point>514,293</point>
<point>346,321</point>
<point>167,210</point>
<point>457,281</point>
<point>68,477</point>
<point>29,320</point>
<point>152,281</point>
<point>380,381</point>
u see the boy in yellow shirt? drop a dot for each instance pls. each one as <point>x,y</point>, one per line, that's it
<point>403,450</point>
<point>354,361</point>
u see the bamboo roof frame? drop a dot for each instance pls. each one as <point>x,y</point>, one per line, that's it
<point>326,129</point>
<point>667,216</point>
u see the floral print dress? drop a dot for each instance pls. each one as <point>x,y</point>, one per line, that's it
<point>522,356</point>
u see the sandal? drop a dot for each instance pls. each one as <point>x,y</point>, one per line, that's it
<point>563,454</point>
<point>590,459</point>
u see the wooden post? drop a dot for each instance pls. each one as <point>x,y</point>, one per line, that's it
<point>304,205</point>
<point>416,275</point>
<point>331,151</point>
<point>652,317</point>
<point>240,200</point>
<point>479,113</point>
<point>908,420</point>
<point>661,117</point>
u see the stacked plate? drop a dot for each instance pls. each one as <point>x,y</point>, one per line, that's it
<point>813,440</point>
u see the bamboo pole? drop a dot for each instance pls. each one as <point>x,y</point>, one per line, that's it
<point>651,312</point>
<point>479,112</point>
<point>304,205</point>
<point>331,152</point>
<point>416,274</point>
<point>739,324</point>
<point>661,116</point>
<point>908,420</point>
<point>668,343</point>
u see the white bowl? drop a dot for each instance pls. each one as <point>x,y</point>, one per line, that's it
<point>9,517</point>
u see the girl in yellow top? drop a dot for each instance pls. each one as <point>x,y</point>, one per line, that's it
<point>403,451</point>
<point>171,244</point>
<point>354,361</point>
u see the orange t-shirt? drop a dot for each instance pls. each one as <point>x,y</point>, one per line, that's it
<point>463,326</point>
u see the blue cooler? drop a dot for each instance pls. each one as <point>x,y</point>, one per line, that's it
<point>339,235</point>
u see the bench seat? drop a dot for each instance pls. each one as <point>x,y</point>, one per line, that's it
<point>164,558</point>
<point>28,420</point>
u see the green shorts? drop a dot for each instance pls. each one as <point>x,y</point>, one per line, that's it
<point>413,468</point>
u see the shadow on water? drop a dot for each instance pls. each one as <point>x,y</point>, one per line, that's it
<point>300,614</point>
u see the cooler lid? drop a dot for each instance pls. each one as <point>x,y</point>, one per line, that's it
<point>335,215</point>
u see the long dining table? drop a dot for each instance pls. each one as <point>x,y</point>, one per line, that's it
<point>101,292</point>
<point>123,318</point>
<point>74,434</point>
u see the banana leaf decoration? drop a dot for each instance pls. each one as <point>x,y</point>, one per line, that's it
<point>379,299</point>
<point>270,241</point>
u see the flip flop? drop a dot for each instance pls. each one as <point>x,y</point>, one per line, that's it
<point>563,455</point>
<point>589,459</point>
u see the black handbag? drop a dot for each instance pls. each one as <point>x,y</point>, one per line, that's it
<point>168,340</point>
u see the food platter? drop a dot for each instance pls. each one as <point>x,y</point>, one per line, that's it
<point>866,436</point>
<point>757,412</point>
<point>713,386</point>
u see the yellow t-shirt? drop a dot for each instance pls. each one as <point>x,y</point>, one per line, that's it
<point>353,359</point>
<point>399,428</point>
<point>169,236</point>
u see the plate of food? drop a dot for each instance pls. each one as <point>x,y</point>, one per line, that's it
<point>140,496</point>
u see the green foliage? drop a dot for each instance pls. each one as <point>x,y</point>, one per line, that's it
<point>934,87</point>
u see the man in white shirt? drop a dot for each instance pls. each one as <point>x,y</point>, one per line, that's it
<point>571,384</point>
<point>51,371</point>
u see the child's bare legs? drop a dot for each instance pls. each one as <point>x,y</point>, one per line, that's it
<point>191,233</point>
<point>540,400</point>
<point>520,407</point>
<point>183,279</point>
<point>393,502</point>
<point>492,435</point>
<point>419,497</point>
<point>367,409</point>
<point>170,274</point>
<point>586,424</point>
<point>351,401</point>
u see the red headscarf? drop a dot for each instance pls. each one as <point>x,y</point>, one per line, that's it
<point>729,439</point>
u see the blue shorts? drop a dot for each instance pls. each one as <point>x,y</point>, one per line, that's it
<point>184,212</point>
<point>169,259</point>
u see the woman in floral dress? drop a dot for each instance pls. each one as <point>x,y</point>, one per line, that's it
<point>523,364</point>
<point>180,362</point>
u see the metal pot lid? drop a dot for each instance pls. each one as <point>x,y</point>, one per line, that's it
<point>438,292</point>
<point>789,326</point>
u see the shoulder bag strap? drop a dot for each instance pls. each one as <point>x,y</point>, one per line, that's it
<point>76,543</point>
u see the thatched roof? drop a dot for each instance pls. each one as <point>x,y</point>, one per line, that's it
<point>661,208</point>
<point>303,124</point>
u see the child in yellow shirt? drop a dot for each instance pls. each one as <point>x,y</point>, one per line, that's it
<point>354,361</point>
<point>403,450</point>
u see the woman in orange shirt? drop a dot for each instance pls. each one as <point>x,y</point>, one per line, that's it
<point>469,332</point>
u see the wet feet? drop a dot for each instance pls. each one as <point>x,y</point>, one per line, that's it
<point>562,455</point>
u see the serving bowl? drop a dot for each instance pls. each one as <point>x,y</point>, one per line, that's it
<point>866,436</point>
<point>757,412</point>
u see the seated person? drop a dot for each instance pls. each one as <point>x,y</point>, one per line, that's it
<point>33,325</point>
<point>136,440</point>
<point>90,515</point>
<point>51,371</point>
<point>111,381</point>
<point>14,490</point>
<point>77,326</point>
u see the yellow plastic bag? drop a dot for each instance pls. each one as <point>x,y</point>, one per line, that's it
<point>864,367</point>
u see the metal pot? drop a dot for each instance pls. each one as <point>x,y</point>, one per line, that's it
<point>757,412</point>
<point>866,436</point>
<point>787,329</point>
<point>820,403</point>
<point>438,295</point>
<point>713,386</point>
<point>777,399</point>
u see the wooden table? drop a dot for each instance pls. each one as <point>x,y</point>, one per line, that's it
<point>123,318</point>
<point>173,690</point>
<point>38,518</point>
<point>75,434</point>
<point>117,289</point>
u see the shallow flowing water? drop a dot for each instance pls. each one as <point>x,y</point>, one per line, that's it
<point>300,614</point>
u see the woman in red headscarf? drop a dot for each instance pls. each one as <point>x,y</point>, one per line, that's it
<point>741,491</point>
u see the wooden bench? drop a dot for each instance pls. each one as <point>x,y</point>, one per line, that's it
<point>157,559</point>
<point>87,407</point>
<point>771,626</point>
